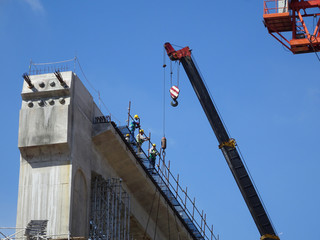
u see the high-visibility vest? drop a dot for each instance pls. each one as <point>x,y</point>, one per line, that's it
<point>132,126</point>
<point>140,138</point>
<point>153,152</point>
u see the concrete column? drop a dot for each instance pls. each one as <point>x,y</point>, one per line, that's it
<point>55,145</point>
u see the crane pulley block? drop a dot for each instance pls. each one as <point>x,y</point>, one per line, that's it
<point>177,55</point>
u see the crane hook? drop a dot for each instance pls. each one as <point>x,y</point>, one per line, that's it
<point>174,103</point>
<point>174,93</point>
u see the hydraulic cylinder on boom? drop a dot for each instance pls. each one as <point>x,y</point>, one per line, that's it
<point>226,144</point>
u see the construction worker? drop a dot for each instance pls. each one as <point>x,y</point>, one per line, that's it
<point>141,139</point>
<point>133,125</point>
<point>127,137</point>
<point>153,154</point>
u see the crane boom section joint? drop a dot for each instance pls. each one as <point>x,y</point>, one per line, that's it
<point>269,236</point>
<point>231,143</point>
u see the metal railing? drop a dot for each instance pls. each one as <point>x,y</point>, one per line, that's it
<point>169,184</point>
<point>275,6</point>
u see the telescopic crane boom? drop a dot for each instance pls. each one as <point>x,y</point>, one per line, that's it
<point>226,144</point>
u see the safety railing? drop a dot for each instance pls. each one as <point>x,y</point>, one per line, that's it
<point>179,198</point>
<point>43,68</point>
<point>275,6</point>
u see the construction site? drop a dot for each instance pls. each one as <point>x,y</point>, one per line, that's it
<point>86,175</point>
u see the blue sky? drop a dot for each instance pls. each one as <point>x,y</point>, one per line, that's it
<point>268,98</point>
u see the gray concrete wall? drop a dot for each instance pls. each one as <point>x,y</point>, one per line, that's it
<point>61,149</point>
<point>45,163</point>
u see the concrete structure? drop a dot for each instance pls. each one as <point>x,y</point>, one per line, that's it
<point>61,152</point>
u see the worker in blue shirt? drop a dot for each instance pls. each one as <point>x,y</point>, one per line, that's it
<point>135,123</point>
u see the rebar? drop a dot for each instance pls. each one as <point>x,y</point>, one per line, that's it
<point>110,210</point>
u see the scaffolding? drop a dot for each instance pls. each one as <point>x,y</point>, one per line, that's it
<point>110,210</point>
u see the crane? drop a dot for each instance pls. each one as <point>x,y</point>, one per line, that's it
<point>226,144</point>
<point>294,23</point>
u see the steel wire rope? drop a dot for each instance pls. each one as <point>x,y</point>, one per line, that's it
<point>176,45</point>
<point>145,230</point>
<point>178,74</point>
<point>172,69</point>
<point>165,168</point>
<point>171,73</point>
<point>69,60</point>
<point>77,59</point>
<point>164,94</point>
<point>96,91</point>
<point>171,84</point>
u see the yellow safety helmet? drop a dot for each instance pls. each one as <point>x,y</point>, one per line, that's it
<point>128,135</point>
<point>154,145</point>
<point>141,131</point>
<point>136,116</point>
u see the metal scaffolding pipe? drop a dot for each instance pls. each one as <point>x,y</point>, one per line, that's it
<point>110,210</point>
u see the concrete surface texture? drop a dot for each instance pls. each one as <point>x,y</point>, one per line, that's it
<point>61,150</point>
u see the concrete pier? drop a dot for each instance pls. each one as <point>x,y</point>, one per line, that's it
<point>61,150</point>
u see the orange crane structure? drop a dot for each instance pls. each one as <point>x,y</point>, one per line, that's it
<point>294,23</point>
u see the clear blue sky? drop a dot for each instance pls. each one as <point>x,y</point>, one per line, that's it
<point>268,98</point>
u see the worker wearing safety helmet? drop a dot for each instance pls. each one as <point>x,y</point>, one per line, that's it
<point>127,137</point>
<point>141,138</point>
<point>135,123</point>
<point>153,154</point>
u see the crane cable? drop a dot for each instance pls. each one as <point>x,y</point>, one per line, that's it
<point>164,93</point>
<point>164,140</point>
<point>95,90</point>
<point>178,74</point>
